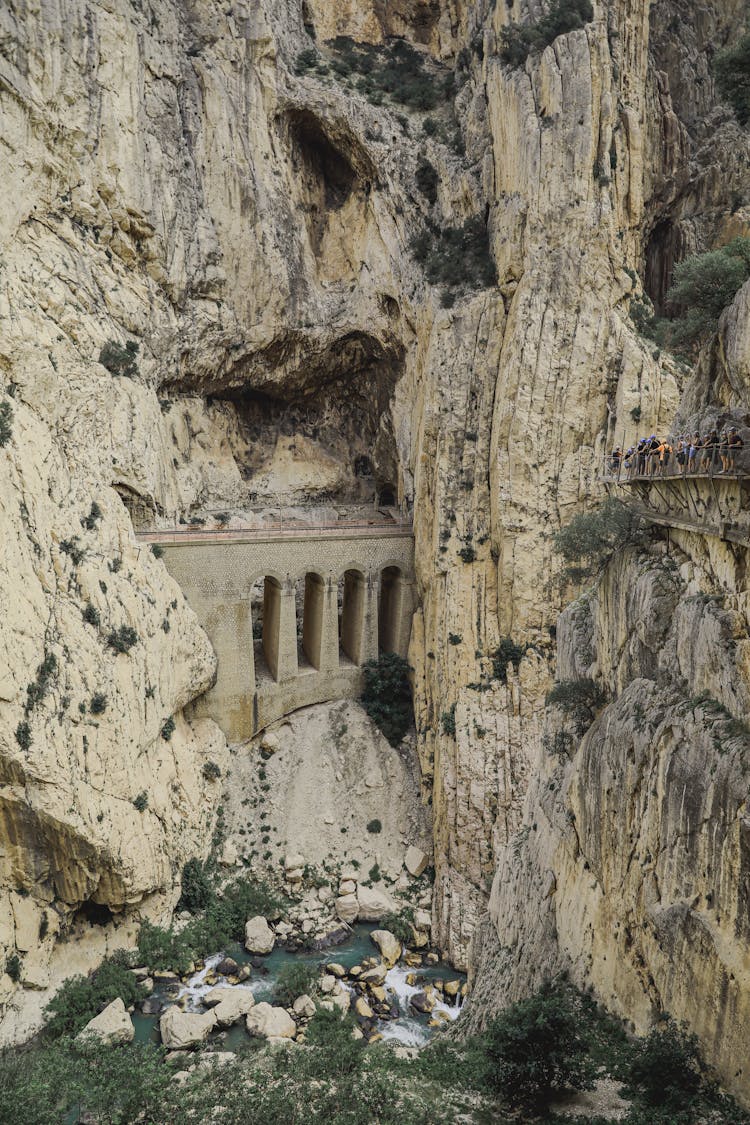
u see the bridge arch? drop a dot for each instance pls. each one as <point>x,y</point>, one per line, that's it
<point>390,608</point>
<point>265,607</point>
<point>313,618</point>
<point>352,602</point>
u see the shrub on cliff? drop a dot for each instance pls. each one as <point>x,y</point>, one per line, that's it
<point>535,1050</point>
<point>456,257</point>
<point>197,892</point>
<point>518,41</point>
<point>120,360</point>
<point>387,695</point>
<point>6,423</point>
<point>732,73</point>
<point>590,540</point>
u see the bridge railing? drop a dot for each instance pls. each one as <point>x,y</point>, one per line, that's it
<point>278,529</point>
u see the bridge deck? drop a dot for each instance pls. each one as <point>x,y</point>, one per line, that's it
<point>288,529</point>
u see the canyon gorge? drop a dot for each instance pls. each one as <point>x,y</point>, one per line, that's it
<point>288,267</point>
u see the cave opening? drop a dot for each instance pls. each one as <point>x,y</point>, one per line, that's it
<point>665,247</point>
<point>93,913</point>
<point>326,171</point>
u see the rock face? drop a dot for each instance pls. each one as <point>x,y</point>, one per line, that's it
<point>259,937</point>
<point>180,1030</point>
<point>653,926</point>
<point>111,1027</point>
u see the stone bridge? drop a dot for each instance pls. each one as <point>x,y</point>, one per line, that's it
<point>292,613</point>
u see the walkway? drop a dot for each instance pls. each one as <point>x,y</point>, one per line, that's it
<point>707,502</point>
<point>293,611</point>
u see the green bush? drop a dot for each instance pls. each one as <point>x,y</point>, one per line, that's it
<point>81,998</point>
<point>518,41</point>
<point>197,892</point>
<point>98,704</point>
<point>535,1051</point>
<point>211,771</point>
<point>400,924</point>
<point>141,801</point>
<point>395,69</point>
<point>578,698</point>
<point>120,360</point>
<point>157,551</point>
<point>427,180</point>
<point>732,73</point>
<point>704,284</point>
<point>295,980</point>
<point>23,735</point>
<point>664,1069</point>
<point>590,540</point>
<point>386,696</point>
<point>122,639</point>
<point>95,514</point>
<point>374,827</point>
<point>456,257</point>
<point>448,721</point>
<point>6,422</point>
<point>72,548</point>
<point>13,967</point>
<point>467,554</point>
<point>168,729</point>
<point>91,615</point>
<point>507,652</point>
<point>38,688</point>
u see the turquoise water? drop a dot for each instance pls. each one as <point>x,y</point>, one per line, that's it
<point>409,1027</point>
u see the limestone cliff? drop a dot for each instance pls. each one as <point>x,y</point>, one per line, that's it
<point>215,184</point>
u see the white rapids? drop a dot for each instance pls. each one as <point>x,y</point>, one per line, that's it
<point>406,1029</point>
<point>197,987</point>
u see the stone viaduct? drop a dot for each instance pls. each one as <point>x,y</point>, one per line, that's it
<point>292,614</point>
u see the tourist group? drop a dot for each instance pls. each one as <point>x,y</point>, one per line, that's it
<point>652,456</point>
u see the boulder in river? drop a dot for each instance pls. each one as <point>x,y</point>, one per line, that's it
<point>259,937</point>
<point>229,1004</point>
<point>111,1027</point>
<point>346,908</point>
<point>421,1003</point>
<point>185,1029</point>
<point>388,944</point>
<point>273,1023</point>
<point>228,967</point>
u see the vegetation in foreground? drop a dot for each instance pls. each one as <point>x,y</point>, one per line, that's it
<point>555,1043</point>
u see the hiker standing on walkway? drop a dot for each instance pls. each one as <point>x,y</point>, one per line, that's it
<point>693,452</point>
<point>735,446</point>
<point>709,450</point>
